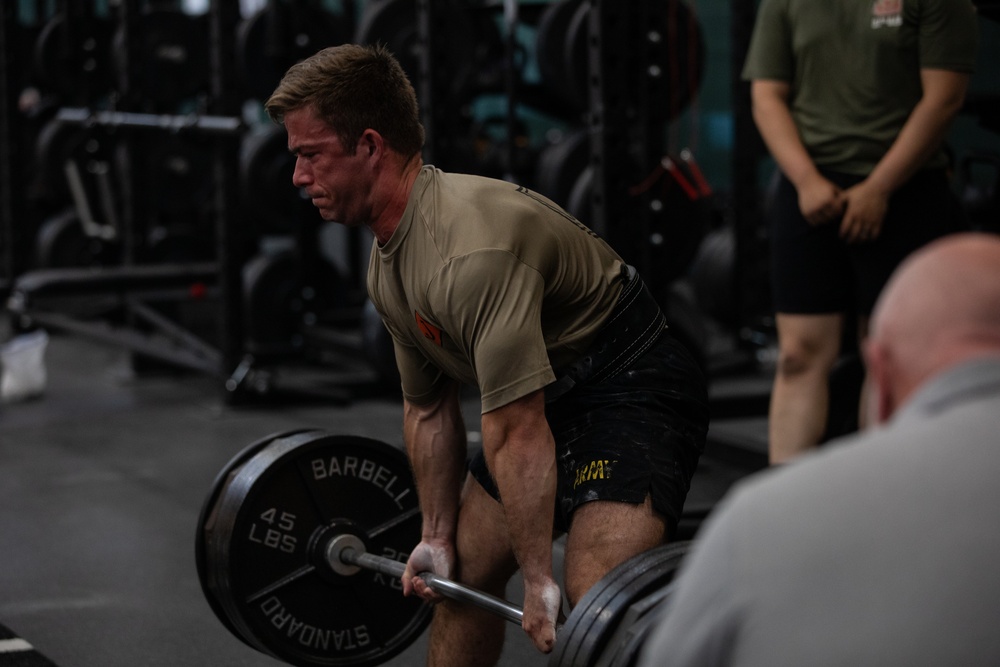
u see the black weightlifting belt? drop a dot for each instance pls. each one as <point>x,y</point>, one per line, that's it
<point>634,325</point>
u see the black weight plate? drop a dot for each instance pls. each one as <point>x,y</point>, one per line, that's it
<point>594,620</point>
<point>278,36</point>
<point>553,68</point>
<point>173,61</point>
<point>77,66</point>
<point>59,142</point>
<point>579,203</point>
<point>279,292</point>
<point>179,172</point>
<point>471,38</point>
<point>394,24</point>
<point>711,274</point>
<point>62,243</point>
<point>623,650</point>
<point>577,58</point>
<point>263,550</point>
<point>211,500</point>
<point>266,170</point>
<point>560,165</point>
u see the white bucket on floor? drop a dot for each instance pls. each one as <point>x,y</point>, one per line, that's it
<point>22,366</point>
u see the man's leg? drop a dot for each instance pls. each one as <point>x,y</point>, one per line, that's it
<point>462,634</point>
<point>604,534</point>
<point>808,346</point>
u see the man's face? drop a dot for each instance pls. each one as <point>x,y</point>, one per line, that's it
<point>337,182</point>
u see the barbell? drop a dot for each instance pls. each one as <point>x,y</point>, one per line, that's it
<point>303,538</point>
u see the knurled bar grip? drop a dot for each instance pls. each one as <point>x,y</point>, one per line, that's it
<point>445,587</point>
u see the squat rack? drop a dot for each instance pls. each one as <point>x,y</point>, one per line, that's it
<point>34,295</point>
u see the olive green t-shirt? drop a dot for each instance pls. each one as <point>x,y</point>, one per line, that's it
<point>490,284</point>
<point>854,68</point>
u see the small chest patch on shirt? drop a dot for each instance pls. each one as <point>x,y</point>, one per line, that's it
<point>431,332</point>
<point>887,13</point>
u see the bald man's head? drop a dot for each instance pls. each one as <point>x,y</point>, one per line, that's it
<point>940,308</point>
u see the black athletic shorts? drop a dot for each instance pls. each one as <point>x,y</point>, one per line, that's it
<point>638,433</point>
<point>813,270</point>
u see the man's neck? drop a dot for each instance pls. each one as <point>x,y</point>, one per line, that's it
<point>397,188</point>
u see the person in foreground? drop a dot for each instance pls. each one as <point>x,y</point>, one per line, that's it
<point>882,548</point>
<point>593,416</point>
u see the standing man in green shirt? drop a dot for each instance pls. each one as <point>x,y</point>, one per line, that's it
<point>853,100</point>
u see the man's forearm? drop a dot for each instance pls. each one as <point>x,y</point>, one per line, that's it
<point>773,118</point>
<point>520,451</point>
<point>436,444</point>
<point>924,130</point>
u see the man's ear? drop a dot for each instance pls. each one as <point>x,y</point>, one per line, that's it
<point>878,383</point>
<point>371,142</point>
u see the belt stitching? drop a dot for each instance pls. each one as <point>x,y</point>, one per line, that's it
<point>640,345</point>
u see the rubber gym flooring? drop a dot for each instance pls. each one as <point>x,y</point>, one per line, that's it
<point>101,482</point>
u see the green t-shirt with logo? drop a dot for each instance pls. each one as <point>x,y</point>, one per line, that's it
<point>854,68</point>
<point>490,284</point>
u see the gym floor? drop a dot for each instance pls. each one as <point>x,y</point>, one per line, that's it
<point>101,483</point>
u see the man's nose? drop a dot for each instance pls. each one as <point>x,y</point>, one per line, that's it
<point>300,177</point>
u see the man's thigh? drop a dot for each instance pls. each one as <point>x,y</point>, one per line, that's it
<point>604,534</point>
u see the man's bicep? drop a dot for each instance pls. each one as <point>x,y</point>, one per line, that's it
<point>496,310</point>
<point>421,381</point>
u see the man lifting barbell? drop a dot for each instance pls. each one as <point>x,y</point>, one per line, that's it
<point>593,416</point>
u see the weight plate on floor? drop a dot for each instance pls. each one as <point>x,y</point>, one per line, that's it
<point>62,243</point>
<point>263,548</point>
<point>281,294</point>
<point>595,619</point>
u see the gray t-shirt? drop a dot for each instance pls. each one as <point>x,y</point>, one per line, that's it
<point>878,550</point>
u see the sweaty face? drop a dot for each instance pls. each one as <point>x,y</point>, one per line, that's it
<point>337,182</point>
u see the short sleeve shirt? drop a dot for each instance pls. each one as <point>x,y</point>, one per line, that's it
<point>490,284</point>
<point>854,68</point>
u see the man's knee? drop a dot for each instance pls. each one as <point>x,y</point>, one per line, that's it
<point>800,356</point>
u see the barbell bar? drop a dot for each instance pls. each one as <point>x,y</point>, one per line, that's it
<point>199,123</point>
<point>349,550</point>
